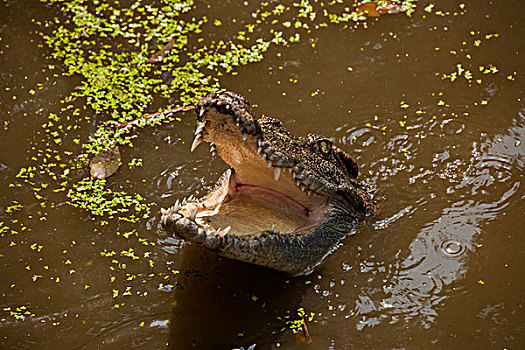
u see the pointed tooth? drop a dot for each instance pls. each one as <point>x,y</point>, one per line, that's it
<point>303,187</point>
<point>227,229</point>
<point>244,136</point>
<point>213,153</point>
<point>163,211</point>
<point>298,183</point>
<point>200,128</point>
<point>259,149</point>
<point>276,173</point>
<point>222,233</point>
<point>201,113</point>
<point>309,192</point>
<point>259,142</point>
<point>198,140</point>
<point>193,214</point>
<point>269,164</point>
<point>272,229</point>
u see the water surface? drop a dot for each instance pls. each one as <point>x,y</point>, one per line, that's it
<point>439,266</point>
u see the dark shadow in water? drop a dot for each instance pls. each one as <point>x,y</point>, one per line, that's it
<point>225,304</point>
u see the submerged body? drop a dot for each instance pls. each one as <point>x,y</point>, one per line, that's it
<point>286,201</point>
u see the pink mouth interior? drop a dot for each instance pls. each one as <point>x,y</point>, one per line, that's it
<point>250,209</point>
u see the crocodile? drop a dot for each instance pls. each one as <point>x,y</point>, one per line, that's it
<point>286,201</point>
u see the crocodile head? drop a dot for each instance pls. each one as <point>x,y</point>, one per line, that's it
<point>286,201</point>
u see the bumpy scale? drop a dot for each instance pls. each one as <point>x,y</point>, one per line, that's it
<point>285,203</point>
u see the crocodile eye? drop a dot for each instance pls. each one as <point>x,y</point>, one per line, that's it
<point>325,146</point>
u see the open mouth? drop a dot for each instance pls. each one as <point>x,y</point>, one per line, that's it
<point>263,192</point>
<point>286,201</point>
<point>244,210</point>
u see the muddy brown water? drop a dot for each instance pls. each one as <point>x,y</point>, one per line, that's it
<point>439,266</point>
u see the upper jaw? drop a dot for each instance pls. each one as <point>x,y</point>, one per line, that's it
<point>228,103</point>
<point>226,122</point>
<point>249,146</point>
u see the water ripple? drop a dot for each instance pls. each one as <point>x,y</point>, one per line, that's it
<point>416,284</point>
<point>452,248</point>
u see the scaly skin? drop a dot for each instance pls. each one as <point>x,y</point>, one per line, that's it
<point>319,180</point>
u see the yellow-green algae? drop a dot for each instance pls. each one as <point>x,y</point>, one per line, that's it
<point>109,47</point>
<point>105,48</point>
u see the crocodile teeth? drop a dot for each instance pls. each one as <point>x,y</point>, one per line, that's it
<point>309,192</point>
<point>176,206</point>
<point>200,128</point>
<point>193,214</point>
<point>201,113</point>
<point>259,149</point>
<point>163,211</point>
<point>222,233</point>
<point>269,164</point>
<point>244,136</point>
<point>276,173</point>
<point>198,140</point>
<point>303,187</point>
<point>272,230</point>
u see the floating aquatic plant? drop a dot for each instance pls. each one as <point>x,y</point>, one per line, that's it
<point>127,57</point>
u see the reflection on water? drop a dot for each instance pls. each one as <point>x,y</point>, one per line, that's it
<point>417,282</point>
<point>438,255</point>
<point>439,266</point>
